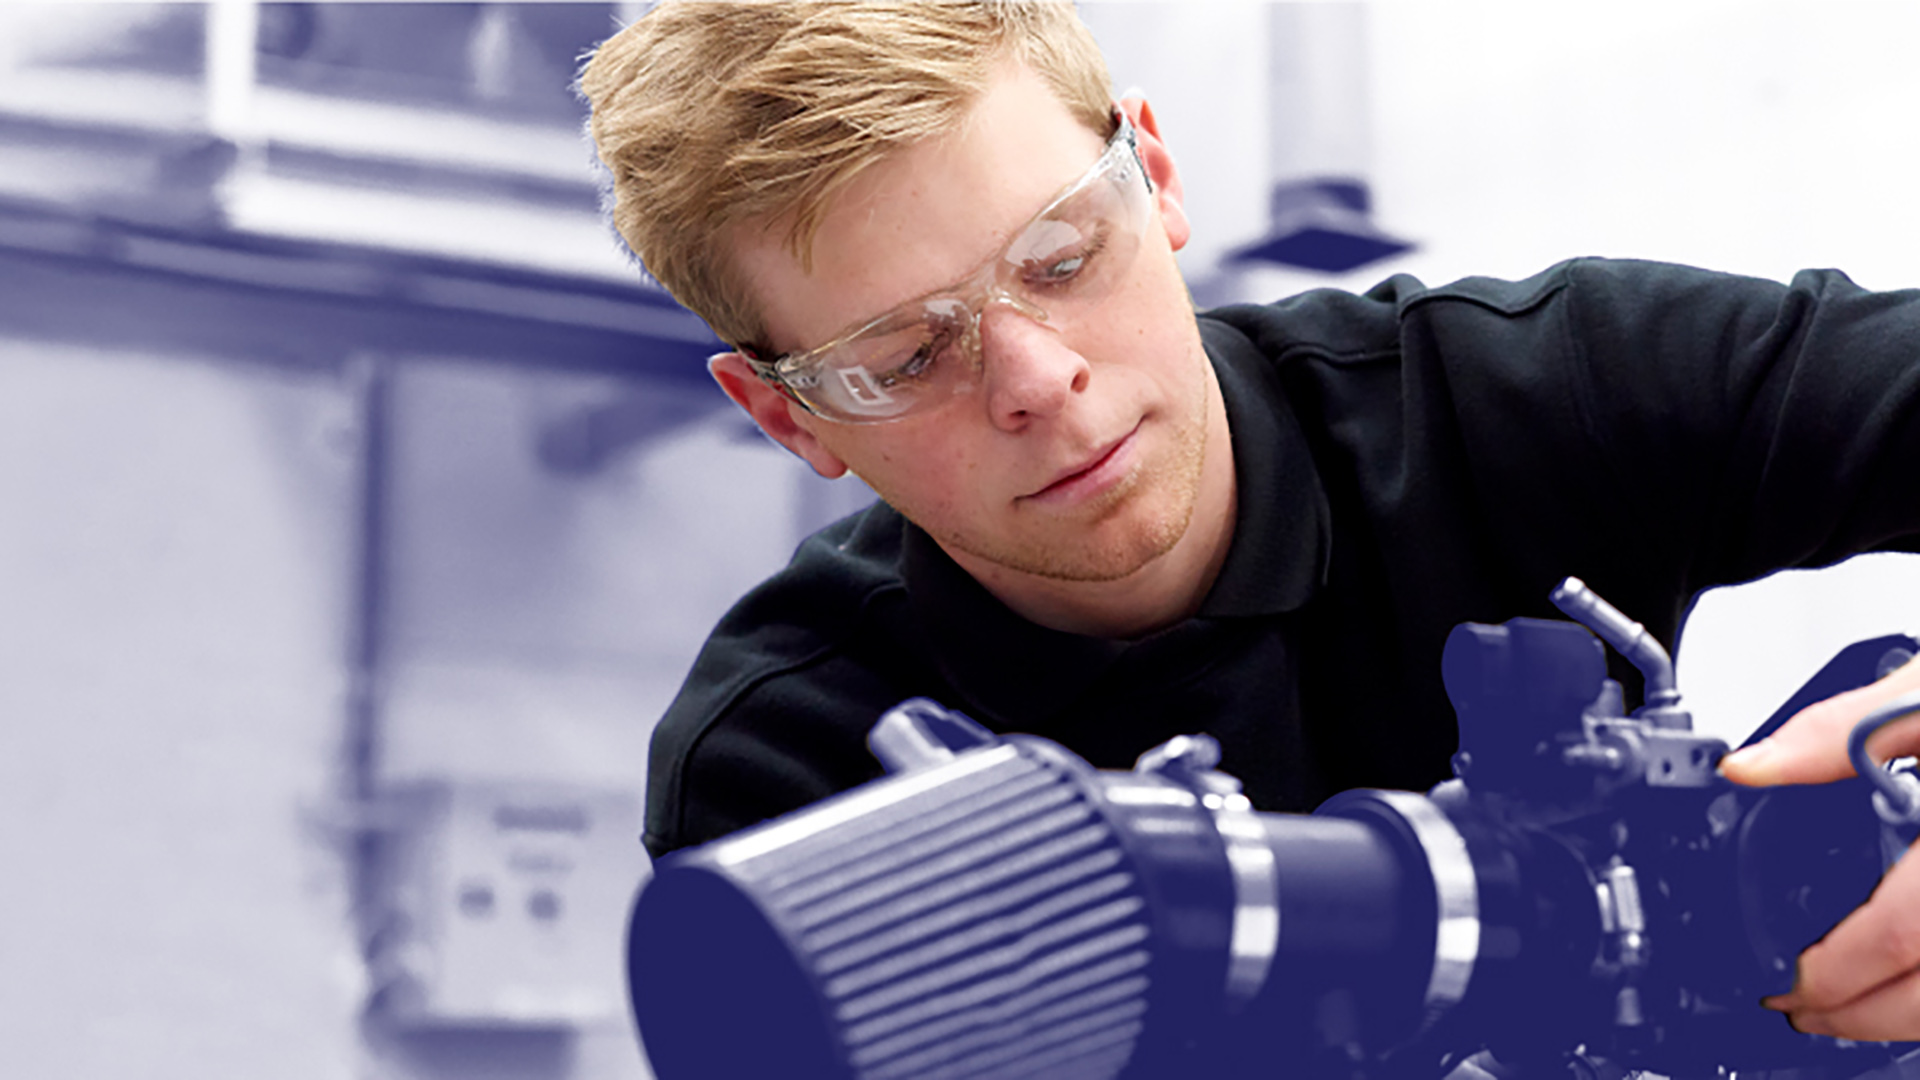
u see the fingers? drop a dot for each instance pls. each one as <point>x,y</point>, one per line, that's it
<point>1862,981</point>
<point>1811,748</point>
<point>1890,1013</point>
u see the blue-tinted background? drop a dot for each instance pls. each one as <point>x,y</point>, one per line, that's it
<point>360,506</point>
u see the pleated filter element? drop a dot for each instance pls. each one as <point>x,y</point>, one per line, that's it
<point>979,921</point>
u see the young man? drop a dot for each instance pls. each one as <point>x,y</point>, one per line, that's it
<point>945,259</point>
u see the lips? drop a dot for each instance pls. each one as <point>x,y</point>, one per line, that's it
<point>1089,475</point>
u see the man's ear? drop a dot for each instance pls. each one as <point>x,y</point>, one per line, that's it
<point>1167,191</point>
<point>773,411</point>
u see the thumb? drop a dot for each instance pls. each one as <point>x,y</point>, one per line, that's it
<point>1811,747</point>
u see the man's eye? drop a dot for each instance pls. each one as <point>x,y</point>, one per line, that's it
<point>917,365</point>
<point>1065,268</point>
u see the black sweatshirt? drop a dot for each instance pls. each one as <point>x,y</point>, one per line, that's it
<point>1406,460</point>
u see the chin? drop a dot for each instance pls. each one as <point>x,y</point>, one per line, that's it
<point>1114,562</point>
<point>1110,550</point>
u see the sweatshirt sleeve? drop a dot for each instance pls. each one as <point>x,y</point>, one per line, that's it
<point>1771,426</point>
<point>1684,428</point>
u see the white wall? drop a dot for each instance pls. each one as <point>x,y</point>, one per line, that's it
<point>173,535</point>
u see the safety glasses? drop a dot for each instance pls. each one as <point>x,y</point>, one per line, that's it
<point>1056,269</point>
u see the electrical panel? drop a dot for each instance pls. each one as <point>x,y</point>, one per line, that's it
<point>503,905</point>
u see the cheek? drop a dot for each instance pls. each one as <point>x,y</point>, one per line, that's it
<point>913,468</point>
<point>1154,308</point>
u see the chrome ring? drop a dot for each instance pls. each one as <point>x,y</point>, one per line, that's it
<point>1456,941</point>
<point>1255,937</point>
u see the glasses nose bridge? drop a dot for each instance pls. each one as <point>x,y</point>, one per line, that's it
<point>1000,294</point>
<point>989,293</point>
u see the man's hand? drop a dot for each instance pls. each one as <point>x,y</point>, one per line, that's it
<point>1862,980</point>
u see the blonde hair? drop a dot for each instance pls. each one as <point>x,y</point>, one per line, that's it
<point>711,114</point>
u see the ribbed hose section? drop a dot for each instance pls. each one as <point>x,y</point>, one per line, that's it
<point>988,925</point>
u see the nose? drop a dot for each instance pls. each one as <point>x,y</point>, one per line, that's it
<point>1028,371</point>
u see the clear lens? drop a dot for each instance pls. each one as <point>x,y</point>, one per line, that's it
<point>1081,247</point>
<point>1069,257</point>
<point>892,366</point>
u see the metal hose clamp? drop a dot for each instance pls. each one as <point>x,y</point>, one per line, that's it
<point>1456,941</point>
<point>1189,760</point>
<point>1255,936</point>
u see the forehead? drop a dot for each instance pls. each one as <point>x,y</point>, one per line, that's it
<point>921,219</point>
